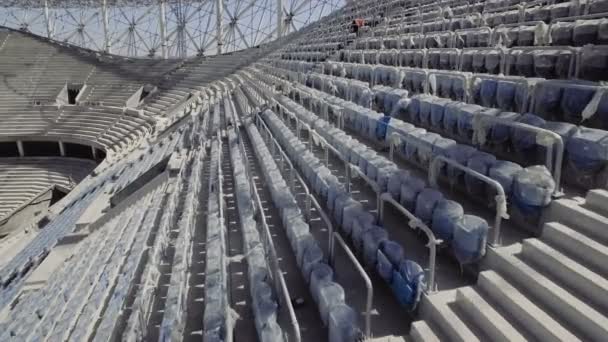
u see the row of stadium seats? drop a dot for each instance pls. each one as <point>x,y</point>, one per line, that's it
<point>329,296</point>
<point>585,147</point>
<point>541,62</point>
<point>24,178</point>
<point>410,191</point>
<point>66,305</point>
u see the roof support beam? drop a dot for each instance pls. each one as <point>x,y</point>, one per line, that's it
<point>279,18</point>
<point>104,19</point>
<point>162,23</point>
<point>47,20</point>
<point>218,24</point>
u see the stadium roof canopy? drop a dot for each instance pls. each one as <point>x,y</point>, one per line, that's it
<point>165,29</point>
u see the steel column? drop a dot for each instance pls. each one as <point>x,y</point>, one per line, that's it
<point>162,21</point>
<point>219,32</point>
<point>104,18</point>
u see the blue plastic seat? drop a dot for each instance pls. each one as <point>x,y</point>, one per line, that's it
<point>343,324</point>
<point>425,152</point>
<point>321,273</point>
<point>487,92</point>
<point>424,117</point>
<point>461,154</point>
<point>547,100</point>
<point>409,192</point>
<point>441,146</point>
<point>498,134</point>
<point>504,172</point>
<point>446,215</point>
<point>425,203</point>
<point>372,239</point>
<point>574,100</point>
<point>532,190</point>
<point>480,162</point>
<point>524,141</point>
<point>437,110</point>
<point>470,236</point>
<point>412,141</point>
<point>408,283</point>
<point>506,93</point>
<point>587,152</point>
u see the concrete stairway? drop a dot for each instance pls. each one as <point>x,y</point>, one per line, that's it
<point>551,288</point>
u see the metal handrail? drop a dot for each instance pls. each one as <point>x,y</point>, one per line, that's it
<point>556,140</point>
<point>368,283</point>
<point>414,223</point>
<point>501,198</point>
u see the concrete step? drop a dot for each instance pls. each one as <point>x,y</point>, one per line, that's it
<point>421,332</point>
<point>597,200</point>
<point>583,220</point>
<point>534,319</point>
<point>485,317</point>
<point>569,309</point>
<point>585,283</point>
<point>435,308</point>
<point>584,249</point>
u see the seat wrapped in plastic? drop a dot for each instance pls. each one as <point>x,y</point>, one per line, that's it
<point>437,109</point>
<point>390,255</point>
<point>585,32</point>
<point>312,255</point>
<point>342,324</point>
<point>425,111</point>
<point>532,190</point>
<point>426,201</point>
<point>470,236</point>
<point>321,273</point>
<point>487,92</point>
<point>413,109</point>
<point>524,63</point>
<point>371,242</point>
<point>506,92</point>
<point>466,60</point>
<point>575,99</point>
<point>524,141</point>
<point>492,62</point>
<point>352,210</point>
<point>480,162</point>
<point>464,118</point>
<point>412,142</point>
<point>408,284</point>
<point>446,215</point>
<point>441,146</point>
<point>561,33</point>
<point>593,64</point>
<point>330,295</point>
<point>384,267</point>
<point>339,204</point>
<point>465,122</point>
<point>479,61</point>
<point>360,227</point>
<point>552,63</point>
<point>460,154</point>
<point>409,192</point>
<point>598,6</point>
<point>434,59</point>
<point>424,153</point>
<point>526,35</point>
<point>504,172</point>
<point>587,152</point>
<point>395,181</point>
<point>547,99</point>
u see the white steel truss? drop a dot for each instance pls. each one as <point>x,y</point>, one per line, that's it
<point>163,28</point>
